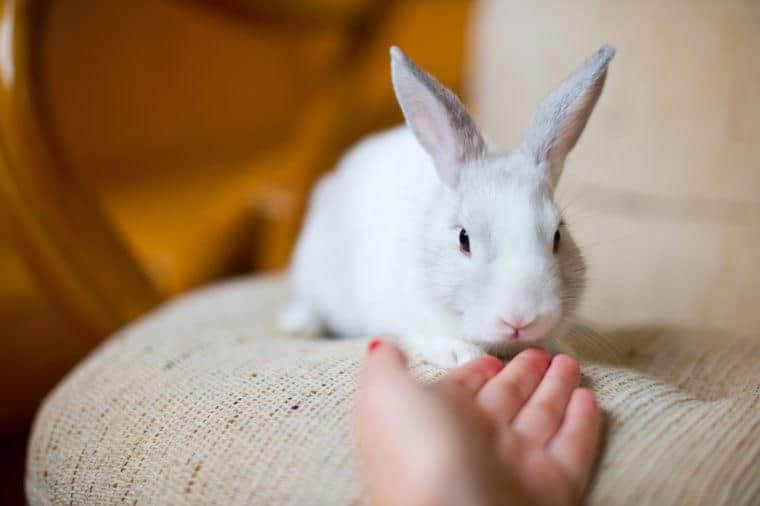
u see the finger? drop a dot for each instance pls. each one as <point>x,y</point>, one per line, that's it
<point>385,363</point>
<point>470,377</point>
<point>543,413</point>
<point>385,386</point>
<point>386,389</point>
<point>574,445</point>
<point>503,396</point>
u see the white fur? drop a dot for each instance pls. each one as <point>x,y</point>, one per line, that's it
<point>379,252</point>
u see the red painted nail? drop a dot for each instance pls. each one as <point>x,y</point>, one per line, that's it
<point>373,345</point>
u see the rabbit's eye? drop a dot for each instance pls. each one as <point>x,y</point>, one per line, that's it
<point>557,238</point>
<point>464,242</point>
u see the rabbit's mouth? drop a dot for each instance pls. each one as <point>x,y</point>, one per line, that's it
<point>510,335</point>
<point>523,330</point>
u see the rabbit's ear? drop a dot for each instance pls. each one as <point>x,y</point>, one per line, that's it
<point>437,118</point>
<point>562,116</point>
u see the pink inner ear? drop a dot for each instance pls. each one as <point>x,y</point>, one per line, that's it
<point>429,121</point>
<point>430,127</point>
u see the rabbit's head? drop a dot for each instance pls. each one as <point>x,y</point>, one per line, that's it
<point>495,249</point>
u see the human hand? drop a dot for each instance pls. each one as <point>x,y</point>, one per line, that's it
<point>484,433</point>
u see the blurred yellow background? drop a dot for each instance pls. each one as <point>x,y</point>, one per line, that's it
<point>148,147</point>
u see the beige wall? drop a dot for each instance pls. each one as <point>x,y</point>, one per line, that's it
<point>662,189</point>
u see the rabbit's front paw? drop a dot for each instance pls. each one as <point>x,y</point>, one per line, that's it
<point>298,318</point>
<point>450,353</point>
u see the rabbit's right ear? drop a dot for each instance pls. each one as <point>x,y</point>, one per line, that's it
<point>562,116</point>
<point>437,117</point>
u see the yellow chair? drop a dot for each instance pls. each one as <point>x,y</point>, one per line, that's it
<point>147,147</point>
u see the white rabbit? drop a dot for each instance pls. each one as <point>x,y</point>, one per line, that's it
<point>429,234</point>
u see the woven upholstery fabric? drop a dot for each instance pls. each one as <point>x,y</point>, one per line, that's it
<point>203,403</point>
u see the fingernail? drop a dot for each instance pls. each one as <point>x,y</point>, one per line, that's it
<point>373,345</point>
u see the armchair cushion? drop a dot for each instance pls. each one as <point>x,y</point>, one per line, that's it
<point>204,403</point>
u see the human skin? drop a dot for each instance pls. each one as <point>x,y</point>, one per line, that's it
<point>483,434</point>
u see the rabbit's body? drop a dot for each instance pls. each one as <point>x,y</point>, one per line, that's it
<point>428,234</point>
<point>380,194</point>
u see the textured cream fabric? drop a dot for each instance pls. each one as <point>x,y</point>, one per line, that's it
<point>202,403</point>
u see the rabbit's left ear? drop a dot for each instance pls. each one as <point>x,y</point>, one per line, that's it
<point>437,118</point>
<point>562,116</point>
